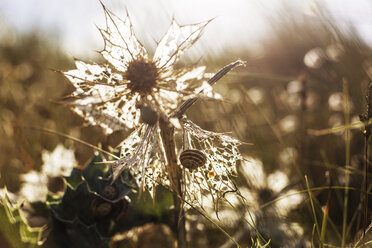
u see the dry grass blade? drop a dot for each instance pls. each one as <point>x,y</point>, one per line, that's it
<point>336,129</point>
<point>324,221</point>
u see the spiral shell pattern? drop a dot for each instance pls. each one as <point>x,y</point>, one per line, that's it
<point>192,159</point>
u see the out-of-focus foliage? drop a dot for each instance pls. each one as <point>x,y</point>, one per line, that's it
<point>30,88</point>
<point>27,84</point>
<point>294,85</point>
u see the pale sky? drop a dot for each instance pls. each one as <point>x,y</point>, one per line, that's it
<point>236,23</point>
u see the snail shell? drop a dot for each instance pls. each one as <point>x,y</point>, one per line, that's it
<point>120,211</point>
<point>192,159</point>
<point>110,192</point>
<point>100,207</point>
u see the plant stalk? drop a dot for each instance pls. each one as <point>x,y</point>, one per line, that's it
<point>174,172</point>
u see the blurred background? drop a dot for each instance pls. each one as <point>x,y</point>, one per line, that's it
<point>304,59</point>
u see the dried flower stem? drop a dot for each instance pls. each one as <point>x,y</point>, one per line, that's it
<point>181,110</point>
<point>174,173</point>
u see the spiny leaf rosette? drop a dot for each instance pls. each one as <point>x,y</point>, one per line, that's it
<point>117,95</point>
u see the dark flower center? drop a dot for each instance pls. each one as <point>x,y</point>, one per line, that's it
<point>142,76</point>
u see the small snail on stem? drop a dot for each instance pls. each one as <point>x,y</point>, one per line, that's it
<point>192,159</point>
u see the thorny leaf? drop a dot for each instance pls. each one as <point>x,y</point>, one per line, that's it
<point>99,97</point>
<point>222,157</point>
<point>121,45</point>
<point>142,153</point>
<point>176,41</point>
<point>14,227</point>
<point>74,205</point>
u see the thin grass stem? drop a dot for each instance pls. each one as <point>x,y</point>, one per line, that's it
<point>324,221</point>
<point>312,206</point>
<point>50,131</point>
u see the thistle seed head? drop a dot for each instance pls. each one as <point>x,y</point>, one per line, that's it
<point>142,76</point>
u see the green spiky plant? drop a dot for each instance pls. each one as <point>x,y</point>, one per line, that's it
<point>15,230</point>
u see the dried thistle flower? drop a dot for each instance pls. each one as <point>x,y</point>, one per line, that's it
<point>112,94</point>
<point>133,89</point>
